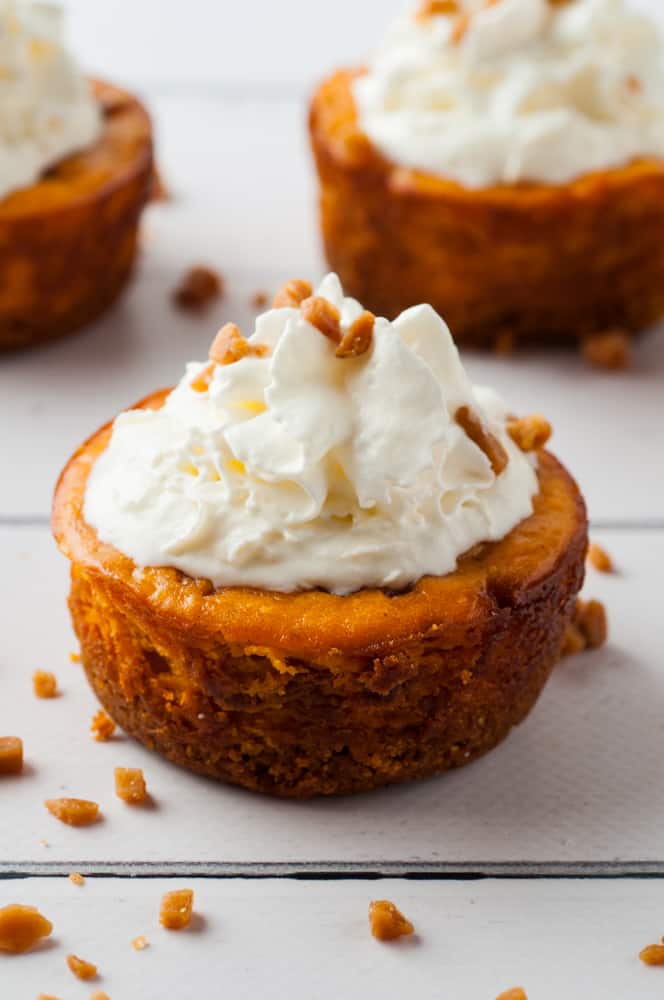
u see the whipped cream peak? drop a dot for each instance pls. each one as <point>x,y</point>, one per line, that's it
<point>516,90</point>
<point>284,464</point>
<point>46,109</point>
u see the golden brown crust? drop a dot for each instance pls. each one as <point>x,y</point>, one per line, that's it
<point>311,693</point>
<point>540,262</point>
<point>68,242</point>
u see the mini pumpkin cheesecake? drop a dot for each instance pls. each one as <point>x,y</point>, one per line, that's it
<point>324,562</point>
<point>76,170</point>
<point>493,161</point>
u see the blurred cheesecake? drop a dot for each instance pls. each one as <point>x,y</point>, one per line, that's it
<point>75,174</point>
<point>504,161</point>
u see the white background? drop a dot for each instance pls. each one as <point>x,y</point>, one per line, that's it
<point>577,789</point>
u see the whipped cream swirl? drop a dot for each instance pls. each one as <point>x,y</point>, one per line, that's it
<point>297,469</point>
<point>519,90</point>
<point>46,109</point>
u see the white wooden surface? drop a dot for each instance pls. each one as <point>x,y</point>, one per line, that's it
<point>576,788</point>
<point>275,939</point>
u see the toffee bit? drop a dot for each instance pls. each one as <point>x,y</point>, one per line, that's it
<point>11,755</point>
<point>81,969</point>
<point>530,433</point>
<point>590,618</point>
<point>130,785</point>
<point>158,190</point>
<point>514,994</point>
<point>102,726</point>
<point>198,288</point>
<point>574,641</point>
<point>358,337</point>
<point>434,8</point>
<point>230,346</point>
<point>44,684</point>
<point>176,909</point>
<point>324,316</point>
<point>610,350</point>
<point>387,922</point>
<point>259,300</point>
<point>505,343</point>
<point>75,657</point>
<point>292,294</point>
<point>460,28</point>
<point>140,943</point>
<point>599,558</point>
<point>76,878</point>
<point>73,812</point>
<point>653,954</point>
<point>588,629</point>
<point>202,381</point>
<point>469,422</point>
<point>21,927</point>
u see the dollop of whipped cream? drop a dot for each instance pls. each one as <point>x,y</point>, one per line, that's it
<point>517,90</point>
<point>46,109</point>
<point>297,469</point>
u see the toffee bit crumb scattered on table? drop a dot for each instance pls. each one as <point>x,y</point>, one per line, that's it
<point>130,785</point>
<point>139,943</point>
<point>259,300</point>
<point>588,629</point>
<point>358,337</point>
<point>324,316</point>
<point>514,994</point>
<point>21,927</point>
<point>98,995</point>
<point>158,190</point>
<point>591,620</point>
<point>387,922</point>
<point>505,343</point>
<point>44,843</point>
<point>44,684</point>
<point>77,878</point>
<point>75,657</point>
<point>653,954</point>
<point>292,294</point>
<point>469,422</point>
<point>73,812</point>
<point>81,968</point>
<point>530,433</point>
<point>573,642</point>
<point>599,558</point>
<point>176,909</point>
<point>610,350</point>
<point>102,726</point>
<point>11,755</point>
<point>46,996</point>
<point>198,288</point>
